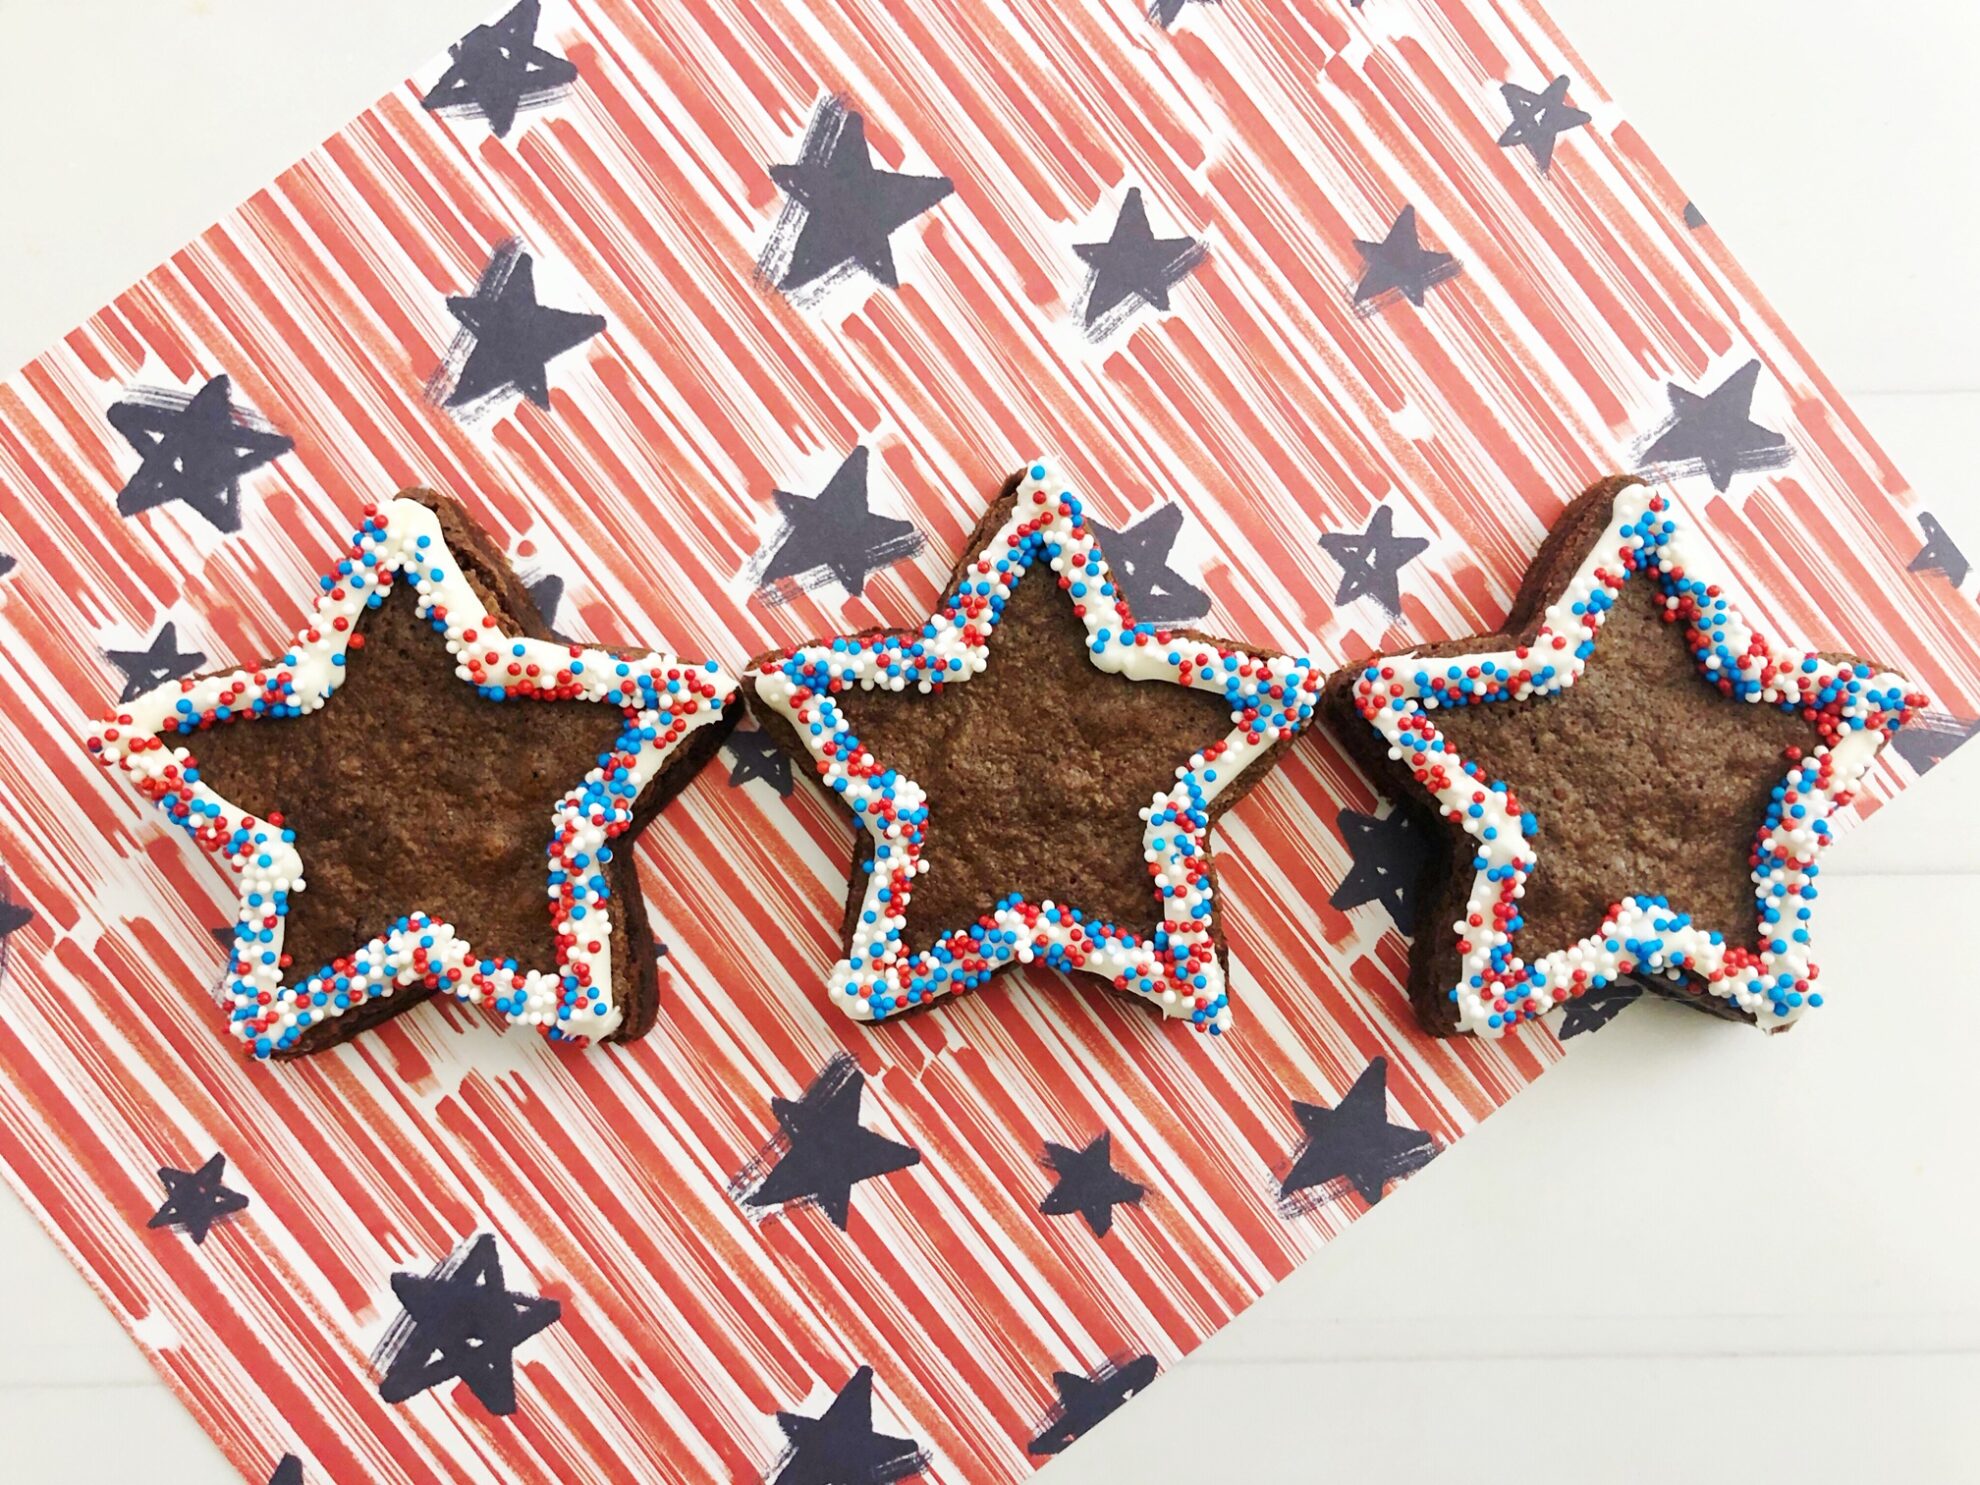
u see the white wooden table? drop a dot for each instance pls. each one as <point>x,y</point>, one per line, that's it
<point>1750,1258</point>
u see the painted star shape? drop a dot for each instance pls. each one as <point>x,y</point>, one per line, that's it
<point>1139,554</point>
<point>1714,433</point>
<point>810,697</point>
<point>756,757</point>
<point>1372,560</point>
<point>840,212</point>
<point>223,940</point>
<point>507,340</point>
<point>1826,719</point>
<point>821,1150</point>
<point>1400,264</point>
<point>546,592</point>
<point>461,1321</point>
<point>14,916</point>
<point>1354,1143</point>
<point>1538,119</point>
<point>1389,853</point>
<point>196,1199</point>
<point>833,535</point>
<point>1133,266</point>
<point>405,568</point>
<point>1087,1401</point>
<point>1940,553</point>
<point>841,1446</point>
<point>1930,738</point>
<point>1596,1009</point>
<point>194,449</point>
<point>497,69</point>
<point>160,661</point>
<point>1665,988</point>
<point>1088,1184</point>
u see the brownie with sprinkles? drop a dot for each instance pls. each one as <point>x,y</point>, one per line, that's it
<point>430,792</point>
<point>1035,775</point>
<point>1624,778</point>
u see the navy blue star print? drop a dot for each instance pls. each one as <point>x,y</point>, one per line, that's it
<point>1086,1401</point>
<point>1389,852</point>
<point>507,340</point>
<point>1928,740</point>
<point>195,1199</point>
<point>1399,264</point>
<point>833,535</point>
<point>461,1321</point>
<point>14,916</point>
<point>546,593</point>
<point>1939,554</point>
<point>1165,13</point>
<point>1594,1009</point>
<point>160,661</point>
<point>821,1150</point>
<point>1139,556</point>
<point>1371,560</point>
<point>498,69</point>
<point>1088,1184</point>
<point>194,449</point>
<point>1538,119</point>
<point>839,211</point>
<point>1133,267</point>
<point>1714,434</point>
<point>841,1446</point>
<point>757,757</point>
<point>1353,1144</point>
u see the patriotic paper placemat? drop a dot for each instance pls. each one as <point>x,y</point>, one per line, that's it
<point>728,318</point>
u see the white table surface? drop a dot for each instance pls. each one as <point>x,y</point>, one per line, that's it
<point>1751,1258</point>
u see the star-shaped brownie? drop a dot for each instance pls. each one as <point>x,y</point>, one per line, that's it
<point>1035,775</point>
<point>427,792</point>
<point>1630,779</point>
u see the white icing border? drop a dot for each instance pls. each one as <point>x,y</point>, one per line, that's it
<point>1642,933</point>
<point>572,1002</point>
<point>1186,980</point>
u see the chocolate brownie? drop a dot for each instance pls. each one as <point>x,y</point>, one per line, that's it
<point>1010,815</point>
<point>411,789</point>
<point>1639,777</point>
<point>1036,764</point>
